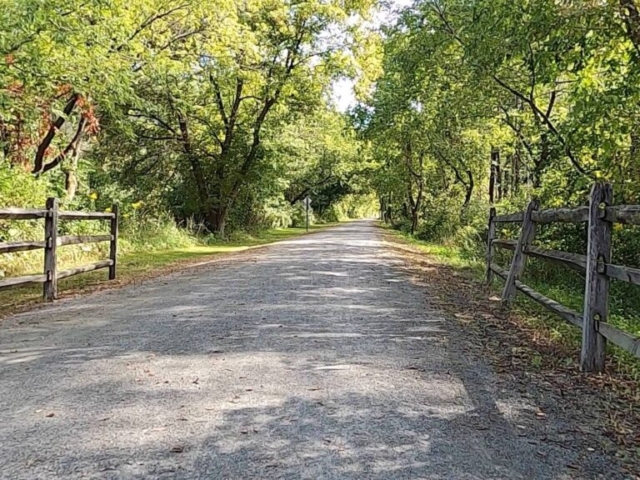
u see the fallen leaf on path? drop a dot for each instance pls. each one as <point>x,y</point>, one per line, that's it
<point>49,415</point>
<point>177,449</point>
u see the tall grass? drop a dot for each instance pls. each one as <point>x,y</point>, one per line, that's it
<point>137,234</point>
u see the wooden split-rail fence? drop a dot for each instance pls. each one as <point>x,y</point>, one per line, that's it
<point>600,215</point>
<point>52,215</point>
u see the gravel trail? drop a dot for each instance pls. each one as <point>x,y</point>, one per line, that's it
<point>315,358</point>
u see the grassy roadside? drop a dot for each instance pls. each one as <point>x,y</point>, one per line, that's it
<point>137,266</point>
<point>448,255</point>
<point>565,337</point>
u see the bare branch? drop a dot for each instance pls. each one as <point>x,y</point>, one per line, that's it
<point>51,133</point>
<point>546,120</point>
<point>156,120</point>
<point>219,101</point>
<point>71,147</point>
<point>147,23</point>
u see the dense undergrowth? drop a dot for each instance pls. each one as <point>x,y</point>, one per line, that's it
<point>139,235</point>
<point>147,228</point>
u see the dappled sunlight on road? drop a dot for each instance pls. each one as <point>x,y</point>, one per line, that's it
<point>318,357</point>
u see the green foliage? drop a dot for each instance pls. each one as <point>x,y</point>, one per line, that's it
<point>493,102</point>
<point>185,92</point>
<point>194,117</point>
<point>20,189</point>
<point>552,87</point>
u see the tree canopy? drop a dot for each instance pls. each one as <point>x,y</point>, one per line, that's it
<point>212,110</point>
<point>221,111</point>
<point>545,91</point>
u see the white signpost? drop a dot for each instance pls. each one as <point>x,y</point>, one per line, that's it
<point>307,204</point>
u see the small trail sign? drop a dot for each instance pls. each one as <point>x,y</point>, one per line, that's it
<point>307,205</point>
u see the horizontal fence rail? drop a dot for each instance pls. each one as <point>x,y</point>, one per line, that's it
<point>31,214</point>
<point>596,267</point>
<point>52,240</point>
<point>22,213</point>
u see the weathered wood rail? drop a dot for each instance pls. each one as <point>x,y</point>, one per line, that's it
<point>51,215</point>
<point>596,265</point>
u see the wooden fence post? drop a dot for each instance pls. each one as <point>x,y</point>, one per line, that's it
<point>527,233</point>
<point>596,291</point>
<point>113,244</point>
<point>491,249</point>
<point>50,290</point>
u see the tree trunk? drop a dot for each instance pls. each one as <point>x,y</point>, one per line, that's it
<point>414,220</point>
<point>71,176</point>
<point>39,164</point>
<point>197,170</point>
<point>70,184</point>
<point>415,207</point>
<point>468,190</point>
<point>219,220</point>
<point>499,180</point>
<point>542,162</point>
<point>492,176</point>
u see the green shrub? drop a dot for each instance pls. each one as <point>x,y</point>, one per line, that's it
<point>276,213</point>
<point>332,214</point>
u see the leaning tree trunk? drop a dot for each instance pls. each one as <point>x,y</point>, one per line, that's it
<point>219,220</point>
<point>468,190</point>
<point>414,220</point>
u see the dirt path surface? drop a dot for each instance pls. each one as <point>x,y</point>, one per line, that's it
<point>315,358</point>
